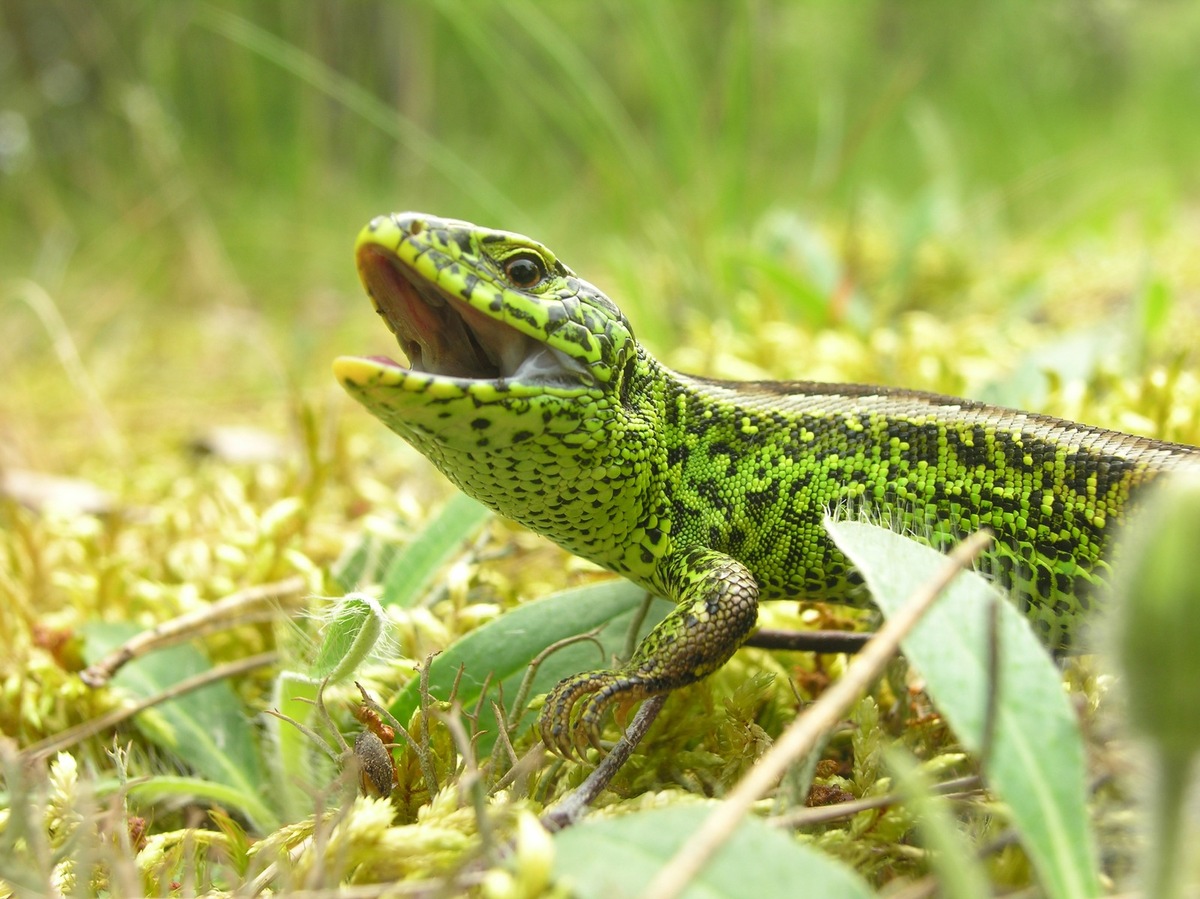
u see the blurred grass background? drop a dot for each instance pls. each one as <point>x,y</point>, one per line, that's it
<point>181,183</point>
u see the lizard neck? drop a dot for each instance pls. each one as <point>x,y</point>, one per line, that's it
<point>587,471</point>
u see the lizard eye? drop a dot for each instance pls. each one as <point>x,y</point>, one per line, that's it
<point>524,270</point>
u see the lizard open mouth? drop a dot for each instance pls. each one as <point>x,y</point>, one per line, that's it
<point>443,334</point>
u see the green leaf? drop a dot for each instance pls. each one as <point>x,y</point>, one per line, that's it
<point>1158,628</point>
<point>205,728</point>
<point>298,765</point>
<point>350,633</point>
<point>406,573</point>
<point>1036,760</point>
<point>505,647</point>
<point>616,857</point>
<point>363,561</point>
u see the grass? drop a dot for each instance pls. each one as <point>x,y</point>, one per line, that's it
<point>995,201</point>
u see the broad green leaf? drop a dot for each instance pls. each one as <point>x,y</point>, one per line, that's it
<point>1036,762</point>
<point>504,647</point>
<point>205,728</point>
<point>616,857</point>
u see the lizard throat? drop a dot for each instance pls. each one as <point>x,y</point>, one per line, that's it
<point>442,334</point>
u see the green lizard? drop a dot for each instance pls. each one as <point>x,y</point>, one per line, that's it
<point>528,389</point>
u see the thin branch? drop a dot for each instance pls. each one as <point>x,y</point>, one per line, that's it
<point>956,788</point>
<point>73,735</point>
<point>573,806</point>
<point>186,626</point>
<point>810,641</point>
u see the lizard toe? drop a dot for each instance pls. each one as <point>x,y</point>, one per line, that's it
<point>574,710</point>
<point>555,724</point>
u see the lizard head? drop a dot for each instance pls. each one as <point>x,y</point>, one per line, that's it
<point>487,319</point>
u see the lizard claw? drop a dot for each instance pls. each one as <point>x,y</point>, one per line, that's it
<point>570,719</point>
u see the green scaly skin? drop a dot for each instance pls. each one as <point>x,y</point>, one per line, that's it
<point>530,392</point>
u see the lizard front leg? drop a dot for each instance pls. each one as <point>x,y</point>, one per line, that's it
<point>716,608</point>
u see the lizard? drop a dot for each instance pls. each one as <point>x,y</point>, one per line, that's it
<point>527,388</point>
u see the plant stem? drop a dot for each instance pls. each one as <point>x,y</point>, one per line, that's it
<point>1164,877</point>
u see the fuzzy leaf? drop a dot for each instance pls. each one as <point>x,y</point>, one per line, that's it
<point>1036,761</point>
<point>616,857</point>
<point>298,767</point>
<point>349,637</point>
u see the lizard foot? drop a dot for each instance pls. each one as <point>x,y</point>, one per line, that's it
<point>570,720</point>
<point>716,606</point>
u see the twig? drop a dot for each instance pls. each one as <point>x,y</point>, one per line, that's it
<point>804,733</point>
<point>956,788</point>
<point>471,783</point>
<point>424,753</point>
<point>519,702</point>
<point>810,641</point>
<point>82,731</point>
<point>185,627</point>
<point>524,766</point>
<point>573,806</point>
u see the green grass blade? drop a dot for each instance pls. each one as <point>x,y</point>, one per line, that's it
<point>411,570</point>
<point>579,100</point>
<point>364,561</point>
<point>406,573</point>
<point>504,647</point>
<point>618,857</point>
<point>630,151</point>
<point>960,873</point>
<point>438,155</point>
<point>163,787</point>
<point>1036,762</point>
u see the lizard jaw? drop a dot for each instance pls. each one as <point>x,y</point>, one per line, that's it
<point>443,335</point>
